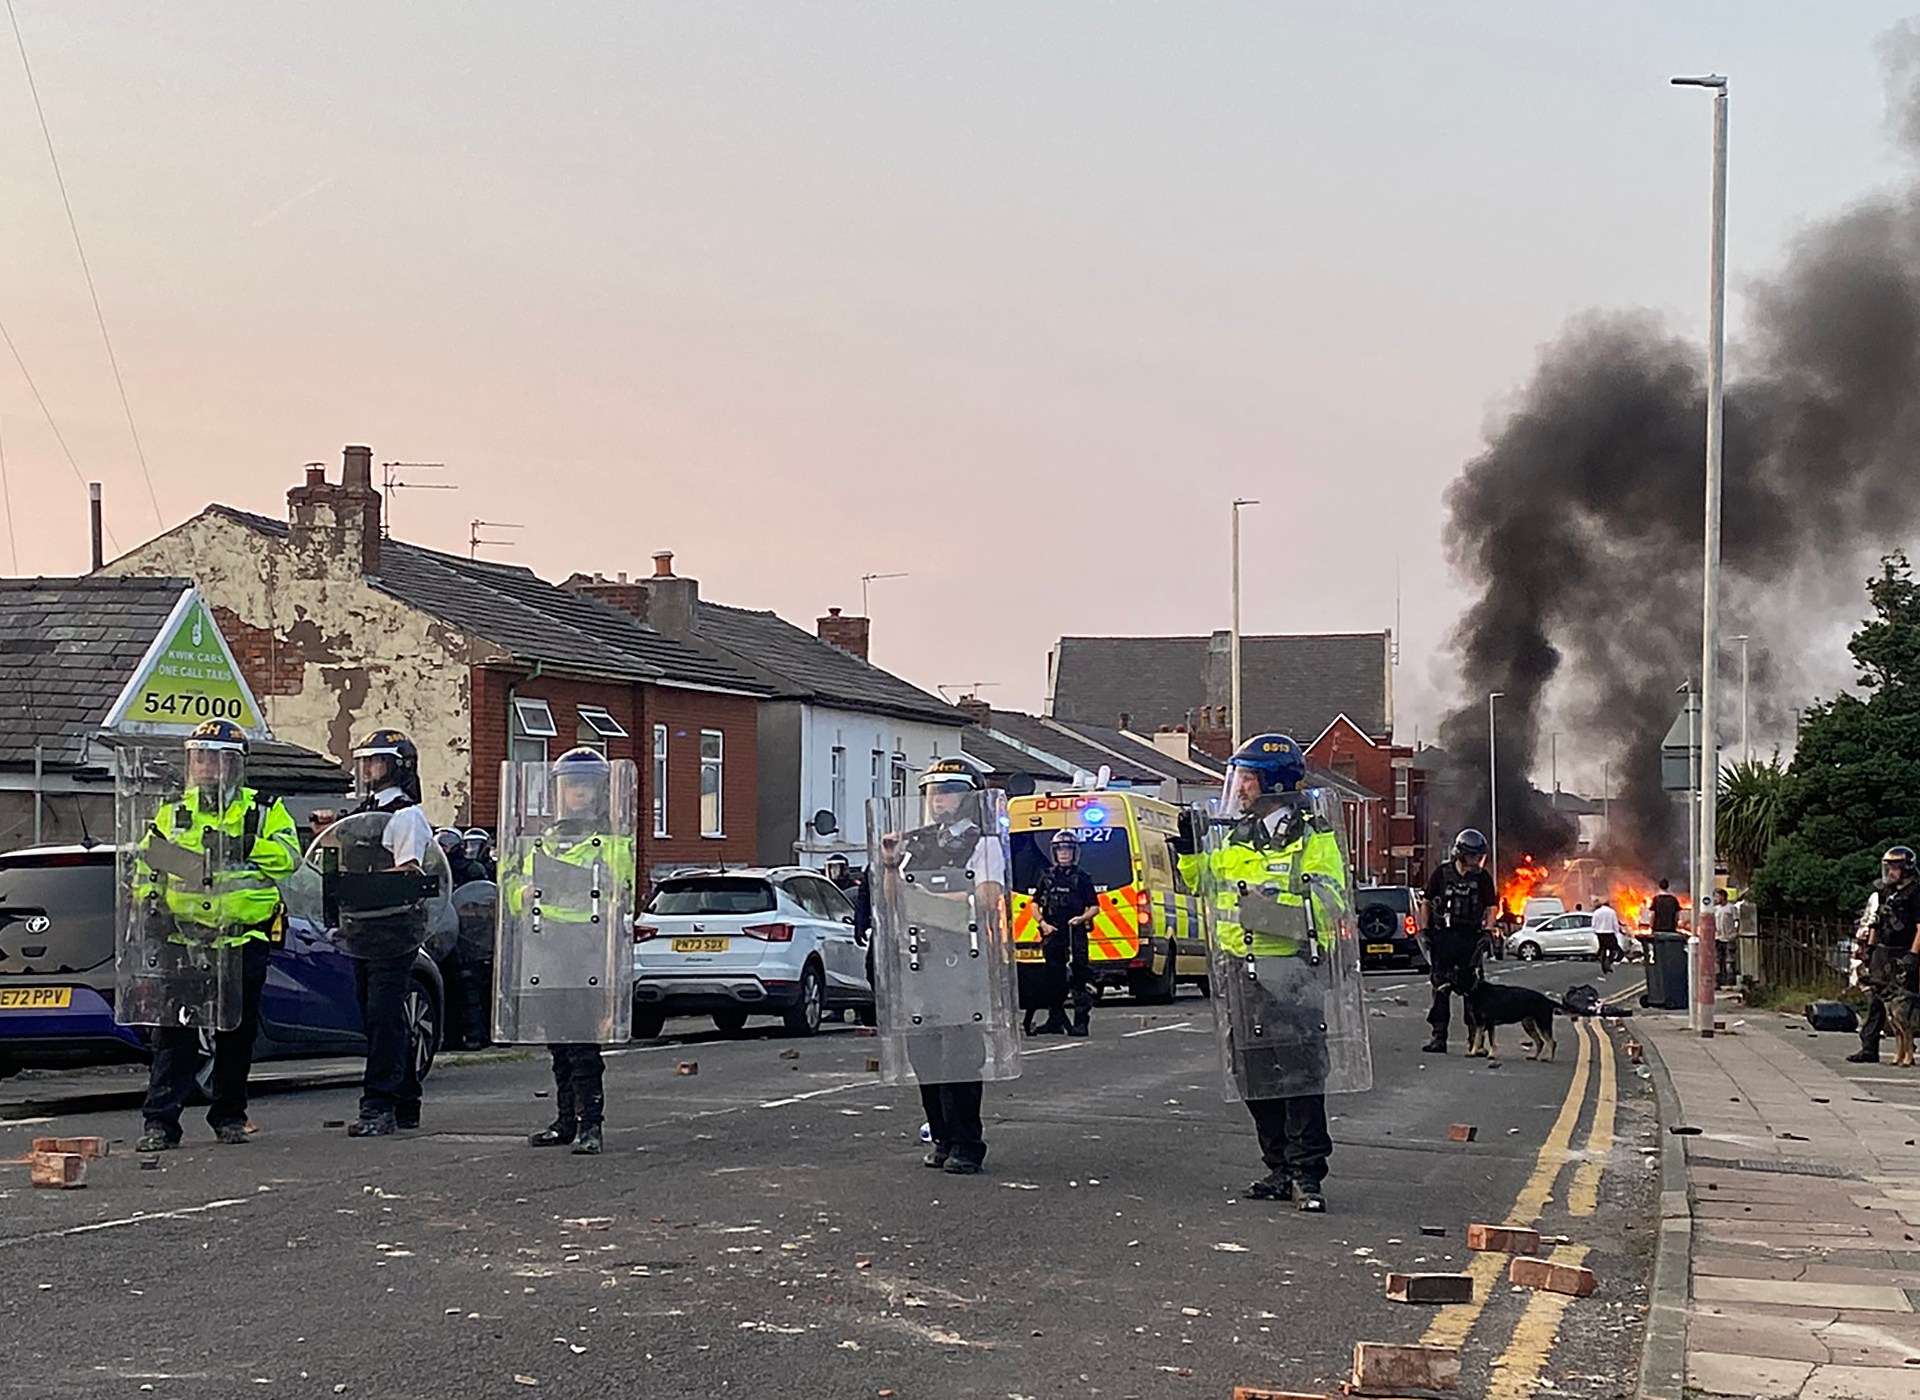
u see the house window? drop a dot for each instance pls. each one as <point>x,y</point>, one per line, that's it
<point>586,737</point>
<point>603,724</point>
<point>877,774</point>
<point>838,803</point>
<point>659,780</point>
<point>712,767</point>
<point>532,726</point>
<point>1345,765</point>
<point>899,775</point>
<point>1400,784</point>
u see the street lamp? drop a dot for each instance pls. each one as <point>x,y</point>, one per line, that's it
<point>1233,659</point>
<point>1710,588</point>
<point>1746,741</point>
<point>1493,789</point>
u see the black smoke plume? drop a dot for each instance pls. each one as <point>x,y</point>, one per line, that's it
<point>1581,523</point>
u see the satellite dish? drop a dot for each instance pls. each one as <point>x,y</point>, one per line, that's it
<point>824,823</point>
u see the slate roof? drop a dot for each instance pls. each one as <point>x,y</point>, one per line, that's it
<point>67,649</point>
<point>1141,752</point>
<point>1036,733</point>
<point>520,612</point>
<point>1004,760</point>
<point>1294,684</point>
<point>798,665</point>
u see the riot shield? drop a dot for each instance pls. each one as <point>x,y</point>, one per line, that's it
<point>475,905</point>
<point>563,962</point>
<point>378,910</point>
<point>944,982</point>
<point>171,870</point>
<point>1283,950</point>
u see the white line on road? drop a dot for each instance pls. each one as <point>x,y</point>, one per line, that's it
<point>1155,1030</point>
<point>814,1094</point>
<point>129,1220</point>
<point>1056,1049</point>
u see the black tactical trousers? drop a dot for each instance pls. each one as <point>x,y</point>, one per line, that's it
<point>579,1073</point>
<point>392,1084</point>
<point>1448,953</point>
<point>953,1119</point>
<point>1294,1140</point>
<point>176,1057</point>
<point>1071,974</point>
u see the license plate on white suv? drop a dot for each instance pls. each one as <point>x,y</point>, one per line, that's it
<point>699,945</point>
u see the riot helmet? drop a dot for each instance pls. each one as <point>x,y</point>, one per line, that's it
<point>216,753</point>
<point>1470,848</point>
<point>1896,866</point>
<point>581,778</point>
<point>479,845</point>
<point>1065,847</point>
<point>386,758</point>
<point>838,871</point>
<point>449,841</point>
<point>1260,774</point>
<point>946,786</point>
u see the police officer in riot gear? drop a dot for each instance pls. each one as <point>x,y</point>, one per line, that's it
<point>235,911</point>
<point>1893,946</point>
<point>1066,902</point>
<point>948,860</point>
<point>480,851</point>
<point>1462,902</point>
<point>387,780</point>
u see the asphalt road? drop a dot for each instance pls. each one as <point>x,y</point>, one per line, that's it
<point>765,1228</point>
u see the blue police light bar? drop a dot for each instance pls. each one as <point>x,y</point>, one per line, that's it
<point>1094,816</point>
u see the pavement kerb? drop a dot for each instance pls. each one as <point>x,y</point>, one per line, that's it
<point>1663,1358</point>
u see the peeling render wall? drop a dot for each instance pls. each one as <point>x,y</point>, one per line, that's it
<point>329,655</point>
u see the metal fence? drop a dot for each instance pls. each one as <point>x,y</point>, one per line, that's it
<point>1790,952</point>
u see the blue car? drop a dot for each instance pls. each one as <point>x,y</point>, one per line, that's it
<point>56,973</point>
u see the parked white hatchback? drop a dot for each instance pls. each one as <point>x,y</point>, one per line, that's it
<point>751,942</point>
<point>1557,936</point>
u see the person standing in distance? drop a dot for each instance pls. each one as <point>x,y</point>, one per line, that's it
<point>387,778</point>
<point>1606,927</point>
<point>1066,903</point>
<point>1462,904</point>
<point>1893,946</point>
<point>242,910</point>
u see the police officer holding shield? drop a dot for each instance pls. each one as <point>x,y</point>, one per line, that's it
<point>1462,904</point>
<point>206,897</point>
<point>564,963</point>
<point>1285,962</point>
<point>944,969</point>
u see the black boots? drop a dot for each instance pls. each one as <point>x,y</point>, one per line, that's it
<point>590,1142</point>
<point>1436,1046</point>
<point>1274,1186</point>
<point>558,1134</point>
<point>373,1125</point>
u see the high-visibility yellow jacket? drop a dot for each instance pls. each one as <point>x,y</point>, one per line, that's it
<point>244,896</point>
<point>616,853</point>
<point>1308,868</point>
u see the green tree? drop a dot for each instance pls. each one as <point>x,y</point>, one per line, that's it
<point>1749,815</point>
<point>1853,788</point>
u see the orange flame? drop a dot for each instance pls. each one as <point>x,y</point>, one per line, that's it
<point>1521,885</point>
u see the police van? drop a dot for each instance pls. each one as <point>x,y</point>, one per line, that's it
<point>1147,936</point>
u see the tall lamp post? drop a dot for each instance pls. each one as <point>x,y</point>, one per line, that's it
<point>1493,789</point>
<point>1702,998</point>
<point>1233,650</point>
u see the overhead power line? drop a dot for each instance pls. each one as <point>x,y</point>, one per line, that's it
<point>58,436</point>
<point>6,504</point>
<point>73,224</point>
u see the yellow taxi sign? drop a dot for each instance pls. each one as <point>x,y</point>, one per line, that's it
<point>187,677</point>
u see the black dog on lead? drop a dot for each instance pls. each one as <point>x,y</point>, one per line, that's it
<point>1491,1005</point>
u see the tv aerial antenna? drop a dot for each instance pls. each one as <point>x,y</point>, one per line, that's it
<point>391,481</point>
<point>475,540</point>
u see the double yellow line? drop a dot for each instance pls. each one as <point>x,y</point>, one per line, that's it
<point>1516,1372</point>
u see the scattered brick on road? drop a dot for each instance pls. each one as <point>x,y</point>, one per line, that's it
<point>1430,1288</point>
<point>687,1067</point>
<point>1503,1239</point>
<point>1392,1368</point>
<point>1462,1132</point>
<point>1552,1278</point>
<point>88,1147</point>
<point>60,1170</point>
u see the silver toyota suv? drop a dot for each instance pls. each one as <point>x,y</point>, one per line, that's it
<point>754,942</point>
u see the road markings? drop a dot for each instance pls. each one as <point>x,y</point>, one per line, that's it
<point>816,1093</point>
<point>1056,1049</point>
<point>1516,1374</point>
<point>98,1225</point>
<point>1453,1324</point>
<point>1155,1030</point>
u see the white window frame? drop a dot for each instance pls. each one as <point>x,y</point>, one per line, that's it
<point>718,763</point>
<point>877,774</point>
<point>1402,788</point>
<point>596,718</point>
<point>660,780</point>
<point>534,719</point>
<point>837,791</point>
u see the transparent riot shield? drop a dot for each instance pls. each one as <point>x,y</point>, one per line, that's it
<point>172,866</point>
<point>378,905</point>
<point>475,905</point>
<point>943,963</point>
<point>563,962</point>
<point>1284,951</point>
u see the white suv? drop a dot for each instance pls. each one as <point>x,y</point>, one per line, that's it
<point>740,943</point>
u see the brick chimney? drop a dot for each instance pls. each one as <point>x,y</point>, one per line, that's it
<point>848,633</point>
<point>973,707</point>
<point>340,523</point>
<point>1212,735</point>
<point>664,601</point>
